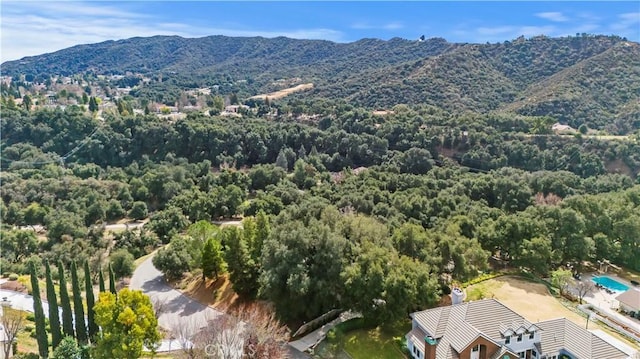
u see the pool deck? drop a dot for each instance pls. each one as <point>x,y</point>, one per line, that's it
<point>607,302</point>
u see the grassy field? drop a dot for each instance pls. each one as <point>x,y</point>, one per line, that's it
<point>377,343</point>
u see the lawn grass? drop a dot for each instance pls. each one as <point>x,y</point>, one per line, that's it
<point>377,343</point>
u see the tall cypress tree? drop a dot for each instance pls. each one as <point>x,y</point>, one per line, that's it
<point>88,287</point>
<point>54,314</point>
<point>78,309</point>
<point>101,281</point>
<point>65,303</point>
<point>112,280</point>
<point>41,330</point>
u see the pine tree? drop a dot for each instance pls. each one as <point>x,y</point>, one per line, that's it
<point>101,286</point>
<point>65,303</point>
<point>88,287</point>
<point>281,160</point>
<point>41,330</point>
<point>239,262</point>
<point>78,309</point>
<point>262,233</point>
<point>112,280</point>
<point>93,104</point>
<point>54,314</point>
<point>212,261</point>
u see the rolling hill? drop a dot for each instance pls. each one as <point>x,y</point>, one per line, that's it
<point>583,79</point>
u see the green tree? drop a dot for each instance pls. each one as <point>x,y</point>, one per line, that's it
<point>78,308</point>
<point>112,280</point>
<point>27,102</point>
<point>101,287</point>
<point>281,161</point>
<point>138,210</point>
<point>263,229</point>
<point>174,260</point>
<point>34,214</point>
<point>167,223</point>
<point>302,264</point>
<point>68,349</point>
<point>54,314</point>
<point>212,261</point>
<point>128,324</point>
<point>535,254</point>
<point>93,104</point>
<point>583,129</point>
<point>240,265</point>
<point>561,279</point>
<point>303,174</point>
<point>41,331</point>
<point>218,103</point>
<point>65,303</point>
<point>122,263</point>
<point>88,288</point>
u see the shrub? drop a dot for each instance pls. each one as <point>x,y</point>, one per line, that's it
<point>401,343</point>
<point>481,278</point>
<point>31,317</point>
<point>13,277</point>
<point>29,327</point>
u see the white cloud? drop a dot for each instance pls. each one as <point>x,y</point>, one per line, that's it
<point>627,21</point>
<point>30,28</point>
<point>396,25</point>
<point>552,16</point>
<point>393,26</point>
<point>497,30</point>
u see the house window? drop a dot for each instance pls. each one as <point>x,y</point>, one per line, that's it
<point>531,335</point>
<point>520,337</point>
<point>534,354</point>
<point>476,348</point>
<point>521,354</point>
<point>507,340</point>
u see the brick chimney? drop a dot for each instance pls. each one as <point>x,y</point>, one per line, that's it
<point>430,344</point>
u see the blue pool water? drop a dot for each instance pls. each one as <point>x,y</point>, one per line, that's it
<point>610,283</point>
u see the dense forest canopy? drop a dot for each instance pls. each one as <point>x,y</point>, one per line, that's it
<point>406,168</point>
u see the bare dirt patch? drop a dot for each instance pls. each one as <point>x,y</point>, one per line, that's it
<point>217,294</point>
<point>284,92</point>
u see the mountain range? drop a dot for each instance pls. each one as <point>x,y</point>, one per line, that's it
<point>577,79</point>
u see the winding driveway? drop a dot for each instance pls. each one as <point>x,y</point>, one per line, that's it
<point>179,312</point>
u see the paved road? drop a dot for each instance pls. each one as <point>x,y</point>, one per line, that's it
<point>179,310</point>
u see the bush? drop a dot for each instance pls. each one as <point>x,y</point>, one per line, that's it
<point>354,324</point>
<point>401,342</point>
<point>13,277</point>
<point>31,317</point>
<point>27,356</point>
<point>481,278</point>
<point>122,263</point>
<point>29,327</point>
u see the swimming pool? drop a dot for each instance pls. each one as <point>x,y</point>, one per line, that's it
<point>610,283</point>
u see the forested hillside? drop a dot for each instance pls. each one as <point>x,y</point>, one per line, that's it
<point>585,79</point>
<point>537,202</point>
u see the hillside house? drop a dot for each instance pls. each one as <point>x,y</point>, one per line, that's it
<point>559,128</point>
<point>630,300</point>
<point>235,108</point>
<point>487,329</point>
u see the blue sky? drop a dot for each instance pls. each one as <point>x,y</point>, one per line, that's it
<point>36,27</point>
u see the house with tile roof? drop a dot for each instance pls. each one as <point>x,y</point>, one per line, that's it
<point>486,329</point>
